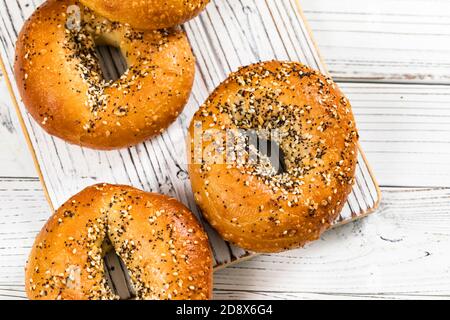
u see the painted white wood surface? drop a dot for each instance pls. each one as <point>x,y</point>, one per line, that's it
<point>365,18</point>
<point>399,252</point>
<point>402,251</point>
<point>224,37</point>
<point>431,139</point>
<point>395,40</point>
<point>419,217</point>
<point>15,158</point>
<point>23,211</point>
<point>405,131</point>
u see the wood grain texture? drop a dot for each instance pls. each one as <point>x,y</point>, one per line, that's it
<point>354,22</point>
<point>15,157</point>
<point>405,131</point>
<point>386,40</point>
<point>405,245</point>
<point>226,36</point>
<point>23,211</point>
<point>400,252</point>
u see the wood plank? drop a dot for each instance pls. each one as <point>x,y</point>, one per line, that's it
<point>401,252</point>
<point>251,295</point>
<point>221,43</point>
<point>15,157</point>
<point>23,211</point>
<point>405,131</point>
<point>394,165</point>
<point>396,213</point>
<point>385,40</point>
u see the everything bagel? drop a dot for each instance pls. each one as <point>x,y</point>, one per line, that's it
<point>240,192</point>
<point>159,240</point>
<point>61,82</point>
<point>148,14</point>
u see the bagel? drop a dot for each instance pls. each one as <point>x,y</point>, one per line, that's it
<point>238,188</point>
<point>61,83</point>
<point>148,14</point>
<point>159,240</point>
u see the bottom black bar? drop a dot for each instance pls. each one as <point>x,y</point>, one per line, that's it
<point>248,309</point>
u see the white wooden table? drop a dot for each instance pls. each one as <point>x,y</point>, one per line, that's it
<point>392,59</point>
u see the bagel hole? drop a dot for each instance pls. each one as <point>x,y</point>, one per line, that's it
<point>112,62</point>
<point>117,276</point>
<point>271,150</point>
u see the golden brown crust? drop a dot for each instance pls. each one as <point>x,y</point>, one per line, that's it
<point>148,14</point>
<point>60,81</point>
<point>160,241</point>
<point>249,203</point>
